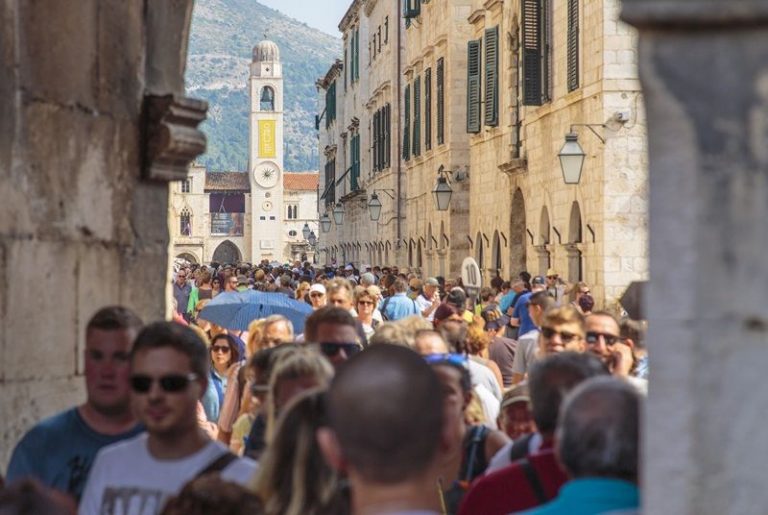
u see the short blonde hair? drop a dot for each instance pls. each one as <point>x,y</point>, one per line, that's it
<point>372,292</point>
<point>563,315</point>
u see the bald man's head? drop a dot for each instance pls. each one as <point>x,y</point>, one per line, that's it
<point>385,408</point>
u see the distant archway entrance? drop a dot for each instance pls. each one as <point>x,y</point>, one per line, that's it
<point>189,258</point>
<point>227,252</point>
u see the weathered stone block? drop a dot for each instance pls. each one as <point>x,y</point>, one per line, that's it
<point>58,60</point>
<point>7,84</point>
<point>41,286</point>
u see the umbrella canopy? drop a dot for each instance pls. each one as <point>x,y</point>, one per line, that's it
<point>236,310</point>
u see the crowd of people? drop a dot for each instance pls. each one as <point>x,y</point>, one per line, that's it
<point>401,395</point>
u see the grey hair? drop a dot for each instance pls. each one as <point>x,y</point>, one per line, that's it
<point>598,434</point>
<point>273,319</point>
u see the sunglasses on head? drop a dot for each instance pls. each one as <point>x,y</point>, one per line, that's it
<point>565,336</point>
<point>457,360</point>
<point>171,383</point>
<point>332,349</point>
<point>592,337</point>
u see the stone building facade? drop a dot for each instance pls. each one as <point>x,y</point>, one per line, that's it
<point>359,138</point>
<point>83,185</point>
<point>488,91</point>
<point>210,217</point>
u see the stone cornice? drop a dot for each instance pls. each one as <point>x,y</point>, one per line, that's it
<point>676,13</point>
<point>369,6</point>
<point>351,16</point>
<point>477,16</point>
<point>491,4</point>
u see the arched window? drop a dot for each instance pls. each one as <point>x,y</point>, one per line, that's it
<point>267,99</point>
<point>185,225</point>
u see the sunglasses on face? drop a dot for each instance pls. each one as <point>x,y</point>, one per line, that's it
<point>610,339</point>
<point>220,348</point>
<point>457,360</point>
<point>365,302</point>
<point>171,383</point>
<point>565,336</point>
<point>331,350</point>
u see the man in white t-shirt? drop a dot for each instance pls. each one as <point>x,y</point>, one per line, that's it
<point>169,371</point>
<point>429,299</point>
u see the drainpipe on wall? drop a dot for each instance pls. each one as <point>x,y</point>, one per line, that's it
<point>399,128</point>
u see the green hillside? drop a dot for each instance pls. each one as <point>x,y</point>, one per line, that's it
<point>224,33</point>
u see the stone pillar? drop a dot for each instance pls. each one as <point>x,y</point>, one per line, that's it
<point>704,70</point>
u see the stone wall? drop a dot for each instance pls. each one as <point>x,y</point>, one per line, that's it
<point>78,227</point>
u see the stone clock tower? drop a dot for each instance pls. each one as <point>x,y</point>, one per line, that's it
<point>266,153</point>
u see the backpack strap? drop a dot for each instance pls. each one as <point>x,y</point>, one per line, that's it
<point>519,449</point>
<point>533,481</point>
<point>217,465</point>
<point>383,309</point>
<point>476,444</point>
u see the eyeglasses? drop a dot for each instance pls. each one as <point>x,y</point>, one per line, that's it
<point>551,277</point>
<point>565,336</point>
<point>315,294</point>
<point>610,339</point>
<point>332,349</point>
<point>171,383</point>
<point>220,348</point>
<point>365,302</point>
<point>457,360</point>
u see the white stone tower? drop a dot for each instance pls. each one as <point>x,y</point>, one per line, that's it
<point>266,152</point>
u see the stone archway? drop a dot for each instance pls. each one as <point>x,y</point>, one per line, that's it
<point>188,257</point>
<point>496,265</point>
<point>544,232</point>
<point>480,252</point>
<point>227,252</point>
<point>517,235</point>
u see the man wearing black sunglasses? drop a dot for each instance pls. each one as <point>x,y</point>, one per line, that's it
<point>604,340</point>
<point>335,332</point>
<point>169,374</point>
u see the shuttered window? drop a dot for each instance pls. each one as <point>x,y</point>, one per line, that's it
<point>375,142</point>
<point>411,8</point>
<point>417,116</point>
<point>345,70</point>
<point>440,101</point>
<point>491,97</point>
<point>357,54</point>
<point>407,124</point>
<point>330,104</point>
<point>387,134</point>
<point>573,45</point>
<point>534,44</point>
<point>473,86</point>
<point>428,109</point>
<point>355,159</point>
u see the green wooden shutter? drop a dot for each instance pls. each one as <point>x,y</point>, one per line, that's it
<point>473,86</point>
<point>440,101</point>
<point>355,172</point>
<point>428,109</point>
<point>407,124</point>
<point>388,135</point>
<point>417,117</point>
<point>573,44</point>
<point>411,8</point>
<point>375,146</point>
<point>491,105</point>
<point>357,54</point>
<point>532,48</point>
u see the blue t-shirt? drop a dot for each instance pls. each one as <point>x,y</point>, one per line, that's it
<point>521,313</point>
<point>59,452</point>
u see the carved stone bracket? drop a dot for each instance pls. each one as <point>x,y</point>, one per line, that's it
<point>171,139</point>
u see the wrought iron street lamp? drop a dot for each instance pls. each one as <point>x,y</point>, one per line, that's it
<point>312,239</point>
<point>325,222</point>
<point>571,159</point>
<point>374,207</point>
<point>442,192</point>
<point>305,231</point>
<point>338,213</point>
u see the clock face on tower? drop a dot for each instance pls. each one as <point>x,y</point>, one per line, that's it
<point>266,175</point>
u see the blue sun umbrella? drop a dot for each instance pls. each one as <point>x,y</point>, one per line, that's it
<point>236,310</point>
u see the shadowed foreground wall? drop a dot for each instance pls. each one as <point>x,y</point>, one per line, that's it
<point>79,229</point>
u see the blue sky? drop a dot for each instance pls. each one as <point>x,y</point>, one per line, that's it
<point>320,14</point>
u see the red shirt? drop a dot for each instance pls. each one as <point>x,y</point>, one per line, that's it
<point>508,490</point>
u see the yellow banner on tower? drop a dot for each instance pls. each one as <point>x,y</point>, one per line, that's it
<point>267,146</point>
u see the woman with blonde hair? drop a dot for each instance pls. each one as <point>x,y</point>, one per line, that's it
<point>478,341</point>
<point>292,374</point>
<point>302,291</point>
<point>293,478</point>
<point>366,298</point>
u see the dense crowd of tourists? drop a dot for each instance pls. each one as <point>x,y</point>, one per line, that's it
<point>397,394</point>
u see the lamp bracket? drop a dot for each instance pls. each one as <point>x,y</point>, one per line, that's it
<point>387,191</point>
<point>590,126</point>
